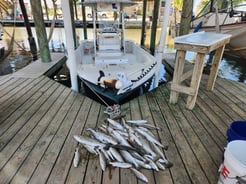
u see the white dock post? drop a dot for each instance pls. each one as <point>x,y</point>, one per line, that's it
<point>70,44</point>
<point>160,49</point>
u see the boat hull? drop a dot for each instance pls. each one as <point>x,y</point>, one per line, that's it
<point>109,97</point>
<point>237,45</point>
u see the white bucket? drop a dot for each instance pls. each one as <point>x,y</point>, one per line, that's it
<point>233,170</point>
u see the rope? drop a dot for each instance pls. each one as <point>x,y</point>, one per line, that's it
<point>113,110</point>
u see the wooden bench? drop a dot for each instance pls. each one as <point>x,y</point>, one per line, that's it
<point>201,43</point>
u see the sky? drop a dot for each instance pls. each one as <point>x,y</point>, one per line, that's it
<point>196,2</point>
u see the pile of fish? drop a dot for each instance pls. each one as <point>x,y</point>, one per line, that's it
<point>126,144</point>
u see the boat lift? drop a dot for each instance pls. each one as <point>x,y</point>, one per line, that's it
<point>71,47</point>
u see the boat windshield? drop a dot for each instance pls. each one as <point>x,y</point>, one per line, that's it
<point>109,23</point>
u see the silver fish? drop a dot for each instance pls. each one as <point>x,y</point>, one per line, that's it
<point>102,160</point>
<point>130,149</point>
<point>152,163</point>
<point>151,157</point>
<point>129,144</point>
<point>110,154</point>
<point>125,125</point>
<point>91,149</point>
<point>160,166</point>
<point>149,137</point>
<point>143,164</point>
<point>123,121</point>
<point>122,133</point>
<point>116,154</point>
<point>138,122</point>
<point>147,147</point>
<point>163,159</point>
<point>102,137</point>
<point>146,130</point>
<point>76,157</point>
<point>150,127</point>
<point>129,158</point>
<point>104,126</point>
<point>103,129</point>
<point>139,175</point>
<point>158,151</point>
<point>106,155</point>
<point>108,128</point>
<point>115,134</point>
<point>88,141</point>
<point>134,139</point>
<point>137,156</point>
<point>115,124</point>
<point>121,164</point>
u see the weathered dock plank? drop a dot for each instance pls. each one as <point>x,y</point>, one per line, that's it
<point>19,108</point>
<point>29,133</point>
<point>75,175</point>
<point>16,94</point>
<point>94,172</point>
<point>8,89</point>
<point>4,79</point>
<point>28,120</point>
<point>126,176</point>
<point>51,155</point>
<point>136,113</point>
<point>148,108</point>
<point>202,132</point>
<point>184,147</point>
<point>30,164</point>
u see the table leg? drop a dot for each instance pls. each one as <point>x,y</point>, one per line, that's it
<point>195,80</point>
<point>215,67</point>
<point>178,71</point>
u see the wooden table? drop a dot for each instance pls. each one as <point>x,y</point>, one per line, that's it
<point>201,43</point>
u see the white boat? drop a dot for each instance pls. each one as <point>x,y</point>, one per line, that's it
<point>230,20</point>
<point>109,65</point>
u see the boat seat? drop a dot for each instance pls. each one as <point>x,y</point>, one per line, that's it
<point>109,41</point>
<point>111,58</point>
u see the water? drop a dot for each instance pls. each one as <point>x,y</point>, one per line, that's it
<point>233,69</point>
<point>230,68</point>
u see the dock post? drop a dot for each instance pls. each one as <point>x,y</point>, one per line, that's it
<point>160,48</point>
<point>70,44</point>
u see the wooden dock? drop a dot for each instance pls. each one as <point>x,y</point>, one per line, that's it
<point>39,116</point>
